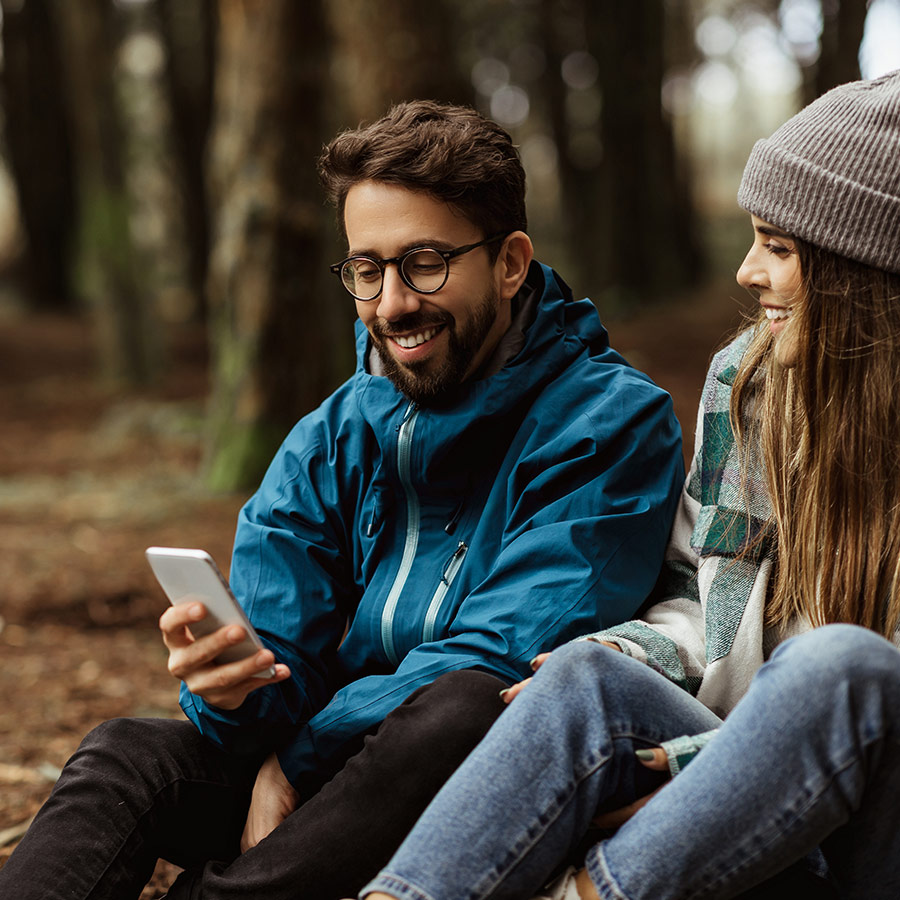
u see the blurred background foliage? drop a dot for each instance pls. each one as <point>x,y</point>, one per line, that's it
<point>158,160</point>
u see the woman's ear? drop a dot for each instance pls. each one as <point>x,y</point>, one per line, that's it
<point>513,262</point>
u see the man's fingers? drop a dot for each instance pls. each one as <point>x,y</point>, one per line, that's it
<point>229,689</point>
<point>201,669</point>
<point>174,621</point>
<point>195,654</point>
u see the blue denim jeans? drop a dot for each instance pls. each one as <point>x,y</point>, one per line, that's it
<point>809,758</point>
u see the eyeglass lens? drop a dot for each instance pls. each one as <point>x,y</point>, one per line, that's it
<point>424,270</point>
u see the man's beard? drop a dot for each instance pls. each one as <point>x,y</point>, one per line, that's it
<point>426,382</point>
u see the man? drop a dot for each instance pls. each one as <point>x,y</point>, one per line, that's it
<point>494,480</point>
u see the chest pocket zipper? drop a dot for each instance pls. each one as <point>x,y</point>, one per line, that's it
<point>454,564</point>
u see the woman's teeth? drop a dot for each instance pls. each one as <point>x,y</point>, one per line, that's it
<point>413,340</point>
<point>777,312</point>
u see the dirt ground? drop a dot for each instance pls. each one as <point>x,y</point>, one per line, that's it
<point>90,477</point>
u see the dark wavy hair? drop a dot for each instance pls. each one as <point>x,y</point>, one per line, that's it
<point>452,153</point>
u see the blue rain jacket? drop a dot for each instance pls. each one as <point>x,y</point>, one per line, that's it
<point>531,508</point>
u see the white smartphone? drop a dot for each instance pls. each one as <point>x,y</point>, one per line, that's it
<point>187,575</point>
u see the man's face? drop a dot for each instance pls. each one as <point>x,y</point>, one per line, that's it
<point>428,343</point>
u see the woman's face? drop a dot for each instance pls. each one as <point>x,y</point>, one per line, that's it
<point>771,270</point>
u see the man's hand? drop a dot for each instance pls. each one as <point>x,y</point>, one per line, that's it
<point>273,800</point>
<point>659,763</point>
<point>193,660</point>
<point>512,692</point>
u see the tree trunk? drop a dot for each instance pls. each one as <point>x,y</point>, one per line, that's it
<point>38,143</point>
<point>188,29</point>
<point>647,247</point>
<point>271,324</point>
<point>393,51</point>
<point>155,177</point>
<point>843,24</point>
<point>105,259</point>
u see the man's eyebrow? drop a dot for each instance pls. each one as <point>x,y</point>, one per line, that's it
<point>772,231</point>
<point>432,243</point>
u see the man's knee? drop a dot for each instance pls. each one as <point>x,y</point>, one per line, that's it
<point>142,747</point>
<point>444,719</point>
<point>466,700</point>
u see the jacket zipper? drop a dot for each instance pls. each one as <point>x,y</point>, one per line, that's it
<point>404,455</point>
<point>454,564</point>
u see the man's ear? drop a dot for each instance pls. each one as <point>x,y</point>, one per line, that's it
<point>512,264</point>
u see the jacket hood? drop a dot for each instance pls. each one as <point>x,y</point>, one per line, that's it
<point>470,418</point>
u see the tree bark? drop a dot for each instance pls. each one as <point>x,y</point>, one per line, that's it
<point>392,51</point>
<point>843,24</point>
<point>105,262</point>
<point>38,144</point>
<point>648,244</point>
<point>271,324</point>
<point>188,29</point>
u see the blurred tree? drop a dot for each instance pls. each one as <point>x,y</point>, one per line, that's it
<point>390,51</point>
<point>154,167</point>
<point>38,142</point>
<point>188,29</point>
<point>645,243</point>
<point>271,324</point>
<point>843,24</point>
<point>107,275</point>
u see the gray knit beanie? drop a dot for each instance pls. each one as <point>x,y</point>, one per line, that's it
<point>831,174</point>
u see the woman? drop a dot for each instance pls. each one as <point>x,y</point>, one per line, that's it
<point>787,541</point>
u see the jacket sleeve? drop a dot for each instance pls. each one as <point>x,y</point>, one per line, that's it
<point>290,532</point>
<point>582,545</point>
<point>682,750</point>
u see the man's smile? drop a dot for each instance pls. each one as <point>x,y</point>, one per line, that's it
<point>408,341</point>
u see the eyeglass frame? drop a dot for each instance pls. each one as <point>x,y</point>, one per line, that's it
<point>398,261</point>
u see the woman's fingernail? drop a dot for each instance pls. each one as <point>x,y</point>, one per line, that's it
<point>503,693</point>
<point>646,755</point>
<point>534,664</point>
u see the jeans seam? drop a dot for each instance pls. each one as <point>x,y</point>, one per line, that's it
<point>751,856</point>
<point>604,881</point>
<point>518,851</point>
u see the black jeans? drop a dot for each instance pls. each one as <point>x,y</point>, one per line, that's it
<point>140,789</point>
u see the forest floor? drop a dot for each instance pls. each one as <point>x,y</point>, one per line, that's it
<point>89,477</point>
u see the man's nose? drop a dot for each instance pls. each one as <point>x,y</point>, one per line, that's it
<point>397,299</point>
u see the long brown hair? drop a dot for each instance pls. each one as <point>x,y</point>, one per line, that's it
<point>827,431</point>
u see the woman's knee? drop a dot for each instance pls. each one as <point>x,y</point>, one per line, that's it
<point>841,654</point>
<point>582,663</point>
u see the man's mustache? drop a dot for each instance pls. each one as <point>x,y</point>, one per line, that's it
<point>412,322</point>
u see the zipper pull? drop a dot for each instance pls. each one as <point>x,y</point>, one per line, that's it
<point>410,409</point>
<point>376,510</point>
<point>460,549</point>
<point>450,527</point>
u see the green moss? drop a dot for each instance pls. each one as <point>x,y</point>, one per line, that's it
<point>240,454</point>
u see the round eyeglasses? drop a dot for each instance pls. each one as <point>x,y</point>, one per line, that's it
<point>423,269</point>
